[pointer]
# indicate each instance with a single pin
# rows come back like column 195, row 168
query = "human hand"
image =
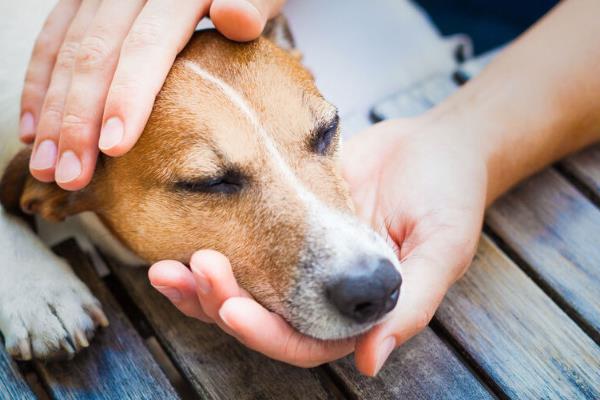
column 424, row 186
column 96, row 68
column 210, row 293
column 431, row 210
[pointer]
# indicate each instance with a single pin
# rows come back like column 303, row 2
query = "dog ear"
column 278, row 31
column 20, row 192
column 13, row 181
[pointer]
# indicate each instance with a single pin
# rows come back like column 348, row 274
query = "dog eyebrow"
column 227, row 90
column 237, row 99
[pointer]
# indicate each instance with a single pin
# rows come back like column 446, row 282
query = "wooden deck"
column 524, row 322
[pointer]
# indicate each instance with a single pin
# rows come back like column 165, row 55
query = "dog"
column 241, row 155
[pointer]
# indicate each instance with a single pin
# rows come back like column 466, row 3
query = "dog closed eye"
column 229, row 182
column 324, row 136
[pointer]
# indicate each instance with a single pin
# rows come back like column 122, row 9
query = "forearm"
column 537, row 102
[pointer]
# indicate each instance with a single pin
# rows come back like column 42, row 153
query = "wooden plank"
column 117, row 365
column 12, row 383
column 217, row 366
column 555, row 230
column 516, row 334
column 585, row 166
column 423, row 368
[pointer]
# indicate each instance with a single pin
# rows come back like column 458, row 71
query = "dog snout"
column 366, row 290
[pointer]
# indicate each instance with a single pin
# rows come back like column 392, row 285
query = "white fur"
column 106, row 241
column 42, row 303
column 334, row 240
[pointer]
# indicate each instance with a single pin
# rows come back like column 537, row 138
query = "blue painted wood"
column 516, row 334
column 423, row 368
column 217, row 366
column 555, row 230
column 117, row 365
column 12, row 383
column 585, row 166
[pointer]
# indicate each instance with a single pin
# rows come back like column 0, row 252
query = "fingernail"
column 385, row 348
column 27, row 126
column 170, row 293
column 202, row 281
column 111, row 134
column 68, row 168
column 224, row 318
column 44, row 156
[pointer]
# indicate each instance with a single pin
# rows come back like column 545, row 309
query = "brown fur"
column 193, row 132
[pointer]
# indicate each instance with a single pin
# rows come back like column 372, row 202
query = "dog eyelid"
column 230, row 182
column 325, row 135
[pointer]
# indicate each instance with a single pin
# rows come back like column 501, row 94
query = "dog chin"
column 337, row 332
column 328, row 325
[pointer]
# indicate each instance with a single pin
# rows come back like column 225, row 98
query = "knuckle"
column 67, row 54
column 73, row 120
column 123, row 87
column 44, row 46
column 74, row 127
column 32, row 90
column 93, row 53
column 52, row 111
column 146, row 33
column 423, row 319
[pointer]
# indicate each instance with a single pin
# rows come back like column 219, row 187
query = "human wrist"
column 469, row 137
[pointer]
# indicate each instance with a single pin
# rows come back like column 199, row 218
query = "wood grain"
column 585, row 166
column 556, row 231
column 217, row 366
column 12, row 383
column 516, row 334
column 423, row 368
column 117, row 365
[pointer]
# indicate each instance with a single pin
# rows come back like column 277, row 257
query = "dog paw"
column 49, row 320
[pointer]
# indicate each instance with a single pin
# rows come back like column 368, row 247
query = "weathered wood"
column 216, row 364
column 117, row 365
column 12, row 383
column 556, row 231
column 423, row 368
column 585, row 166
column 516, row 334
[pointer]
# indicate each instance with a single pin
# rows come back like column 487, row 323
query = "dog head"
column 240, row 155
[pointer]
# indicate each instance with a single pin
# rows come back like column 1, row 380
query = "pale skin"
column 425, row 182
column 96, row 68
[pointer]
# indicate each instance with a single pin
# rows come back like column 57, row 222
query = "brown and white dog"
column 240, row 155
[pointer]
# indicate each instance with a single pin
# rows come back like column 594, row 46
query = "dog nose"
column 366, row 291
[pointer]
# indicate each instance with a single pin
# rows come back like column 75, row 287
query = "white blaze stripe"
column 344, row 236
column 237, row 99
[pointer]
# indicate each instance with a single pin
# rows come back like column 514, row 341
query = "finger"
column 268, row 333
column 39, row 70
column 214, row 279
column 158, row 34
column 243, row 20
column 424, row 285
column 175, row 281
column 45, row 150
column 93, row 69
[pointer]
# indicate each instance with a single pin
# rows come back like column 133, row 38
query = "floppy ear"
column 277, row 30
column 20, row 192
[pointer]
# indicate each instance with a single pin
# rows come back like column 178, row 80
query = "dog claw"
column 22, row 351
column 98, row 316
column 68, row 348
column 25, row 349
column 80, row 338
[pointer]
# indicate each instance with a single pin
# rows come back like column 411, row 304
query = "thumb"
column 243, row 20
column 422, row 291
